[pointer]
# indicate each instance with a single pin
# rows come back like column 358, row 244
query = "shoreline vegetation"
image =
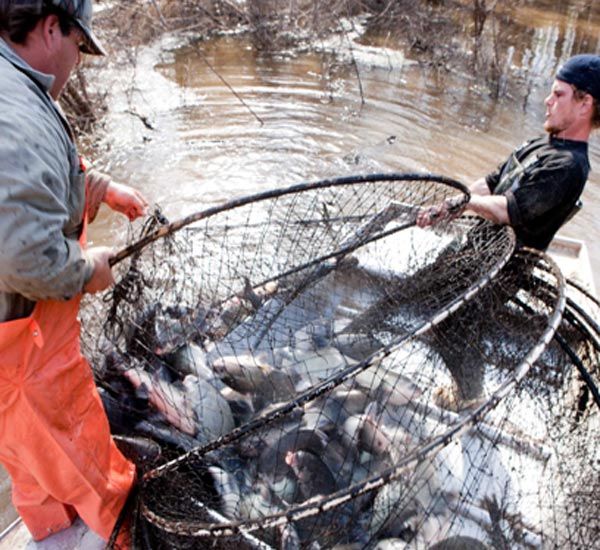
column 447, row 35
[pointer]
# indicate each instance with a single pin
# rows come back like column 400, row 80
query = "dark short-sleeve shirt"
column 542, row 181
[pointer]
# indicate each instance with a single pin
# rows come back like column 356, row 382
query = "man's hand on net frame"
column 445, row 211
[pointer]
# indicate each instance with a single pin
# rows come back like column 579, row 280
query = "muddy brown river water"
column 204, row 146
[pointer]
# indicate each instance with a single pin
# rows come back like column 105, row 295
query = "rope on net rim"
column 583, row 290
column 578, row 311
column 588, row 327
column 173, row 227
column 583, row 322
column 320, row 504
column 585, row 375
column 575, row 319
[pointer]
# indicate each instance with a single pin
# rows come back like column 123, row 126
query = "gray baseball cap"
column 81, row 12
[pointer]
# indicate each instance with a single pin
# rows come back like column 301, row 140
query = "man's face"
column 562, row 110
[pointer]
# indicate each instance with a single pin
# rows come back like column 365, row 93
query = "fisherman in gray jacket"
column 54, row 436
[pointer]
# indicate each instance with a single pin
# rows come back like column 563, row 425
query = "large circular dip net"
column 322, row 373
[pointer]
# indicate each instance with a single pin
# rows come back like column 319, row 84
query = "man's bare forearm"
column 492, row 207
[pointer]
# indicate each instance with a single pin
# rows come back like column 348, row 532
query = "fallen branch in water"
column 145, row 120
column 229, row 87
column 355, row 65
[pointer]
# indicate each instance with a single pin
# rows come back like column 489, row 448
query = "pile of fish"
column 188, row 376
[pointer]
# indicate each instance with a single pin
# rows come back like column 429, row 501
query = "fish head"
column 291, row 459
column 373, row 438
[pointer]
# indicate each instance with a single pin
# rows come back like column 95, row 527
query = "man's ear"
column 586, row 104
column 51, row 33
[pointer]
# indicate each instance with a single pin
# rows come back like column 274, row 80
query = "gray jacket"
column 42, row 193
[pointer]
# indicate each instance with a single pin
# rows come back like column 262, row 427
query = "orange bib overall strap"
column 55, row 439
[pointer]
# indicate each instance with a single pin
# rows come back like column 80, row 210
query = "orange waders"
column 54, row 436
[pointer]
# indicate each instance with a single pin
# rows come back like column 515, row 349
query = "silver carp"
column 314, row 366
column 193, row 407
column 211, row 411
column 191, row 359
column 250, row 375
column 228, row 490
column 312, row 474
column 165, row 398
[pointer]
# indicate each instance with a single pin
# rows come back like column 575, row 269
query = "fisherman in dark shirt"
column 538, row 188
column 535, row 191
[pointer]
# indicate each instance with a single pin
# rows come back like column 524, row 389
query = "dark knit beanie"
column 583, row 71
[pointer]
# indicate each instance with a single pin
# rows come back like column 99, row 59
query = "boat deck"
column 76, row 537
column 572, row 257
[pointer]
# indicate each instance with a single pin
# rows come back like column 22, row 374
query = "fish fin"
column 142, row 391
column 372, row 411
column 250, row 295
column 323, row 437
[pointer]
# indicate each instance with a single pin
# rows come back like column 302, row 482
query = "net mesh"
column 321, row 372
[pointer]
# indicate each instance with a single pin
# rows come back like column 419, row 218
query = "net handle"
column 171, row 228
